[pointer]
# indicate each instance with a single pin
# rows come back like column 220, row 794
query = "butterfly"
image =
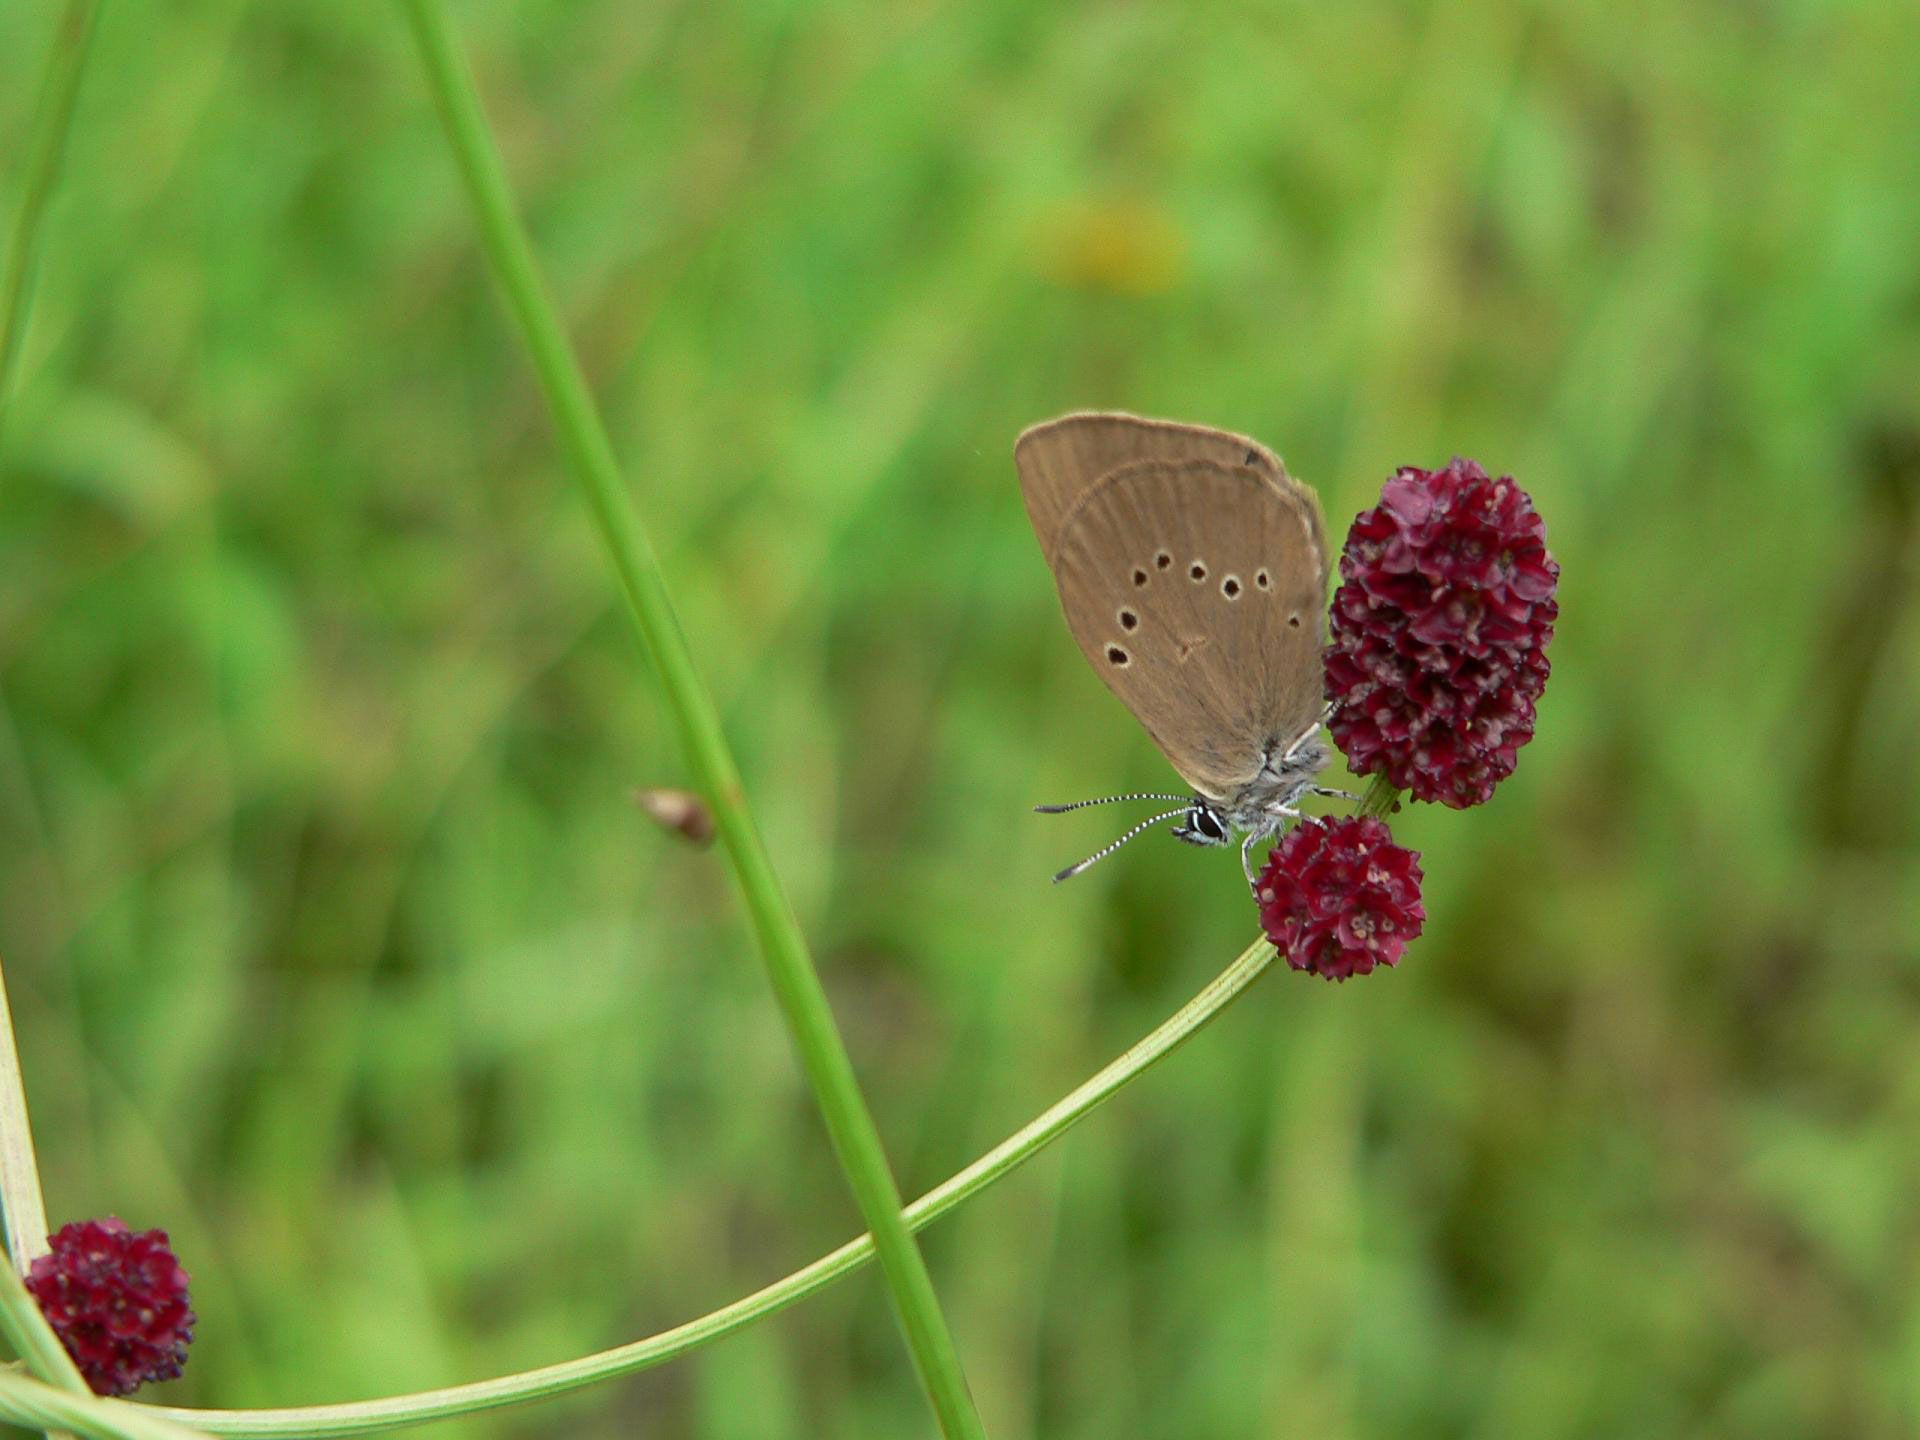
column 1193, row 572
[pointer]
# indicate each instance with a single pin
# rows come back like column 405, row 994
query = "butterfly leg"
column 1274, row 823
column 1305, row 735
column 1336, row 794
column 1246, row 860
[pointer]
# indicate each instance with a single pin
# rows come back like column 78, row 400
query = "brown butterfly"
column 1193, row 572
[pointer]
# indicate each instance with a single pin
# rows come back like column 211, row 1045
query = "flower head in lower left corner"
column 117, row 1298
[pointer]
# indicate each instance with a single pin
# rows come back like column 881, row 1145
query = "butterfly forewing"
column 1194, row 583
column 1059, row 459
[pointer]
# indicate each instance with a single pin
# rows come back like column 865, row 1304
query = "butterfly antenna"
column 1104, row 800
column 1075, row 869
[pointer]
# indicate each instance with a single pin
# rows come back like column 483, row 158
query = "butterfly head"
column 1203, row 824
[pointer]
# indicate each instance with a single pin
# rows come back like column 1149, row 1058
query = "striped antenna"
column 1075, row 869
column 1105, row 800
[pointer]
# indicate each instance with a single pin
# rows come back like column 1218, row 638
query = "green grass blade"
column 46, row 144
column 802, row 1000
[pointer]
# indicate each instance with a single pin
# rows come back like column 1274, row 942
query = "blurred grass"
column 336, row 947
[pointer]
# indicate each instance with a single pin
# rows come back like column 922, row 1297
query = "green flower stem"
column 25, row 1212
column 362, row 1417
column 35, row 1406
column 46, row 143
column 1380, row 801
column 22, row 1206
column 797, row 985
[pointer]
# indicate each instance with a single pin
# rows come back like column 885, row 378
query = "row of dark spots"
column 1198, row 572
column 1230, row 587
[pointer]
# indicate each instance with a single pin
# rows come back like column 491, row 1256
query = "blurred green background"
column 337, row 948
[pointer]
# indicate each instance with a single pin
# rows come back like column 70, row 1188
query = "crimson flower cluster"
column 1440, row 631
column 1338, row 897
column 118, row 1301
column 1438, row 654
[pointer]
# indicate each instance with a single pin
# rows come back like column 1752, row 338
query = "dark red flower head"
column 1338, row 897
column 118, row 1302
column 1440, row 631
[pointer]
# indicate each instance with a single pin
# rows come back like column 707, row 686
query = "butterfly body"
column 1193, row 571
column 1264, row 804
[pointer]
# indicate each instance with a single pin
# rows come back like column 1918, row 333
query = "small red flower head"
column 118, row 1302
column 1338, row 897
column 1440, row 631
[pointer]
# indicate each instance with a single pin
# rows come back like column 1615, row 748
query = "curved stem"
column 796, row 984
column 37, row 1406
column 364, row 1416
column 46, row 142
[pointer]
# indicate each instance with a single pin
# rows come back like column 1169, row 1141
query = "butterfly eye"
column 1204, row 822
